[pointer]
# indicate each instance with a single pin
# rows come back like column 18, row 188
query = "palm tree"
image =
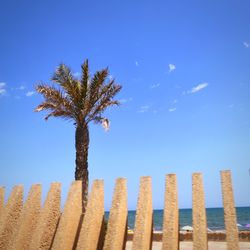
column 83, row 101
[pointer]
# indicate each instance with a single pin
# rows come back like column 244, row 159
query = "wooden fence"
column 29, row 225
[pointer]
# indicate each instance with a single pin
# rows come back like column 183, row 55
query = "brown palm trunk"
column 81, row 171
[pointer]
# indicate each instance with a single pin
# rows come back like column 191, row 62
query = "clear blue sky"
column 185, row 71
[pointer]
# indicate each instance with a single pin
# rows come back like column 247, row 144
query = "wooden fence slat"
column 2, row 190
column 69, row 221
column 229, row 211
column 93, row 218
column 48, row 219
column 144, row 213
column 28, row 219
column 10, row 216
column 199, row 214
column 170, row 238
column 117, row 224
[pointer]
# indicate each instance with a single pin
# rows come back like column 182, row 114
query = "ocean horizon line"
column 159, row 209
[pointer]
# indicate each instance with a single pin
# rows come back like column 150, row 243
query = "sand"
column 212, row 245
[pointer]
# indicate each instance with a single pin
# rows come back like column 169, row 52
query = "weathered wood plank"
column 48, row 219
column 144, row 213
column 28, row 219
column 69, row 221
column 2, row 191
column 229, row 211
column 93, row 218
column 10, row 216
column 170, row 240
column 117, row 224
column 199, row 214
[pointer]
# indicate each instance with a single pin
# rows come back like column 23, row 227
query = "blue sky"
column 185, row 71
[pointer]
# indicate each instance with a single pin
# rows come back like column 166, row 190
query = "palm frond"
column 84, row 79
column 96, row 84
column 63, row 75
column 53, row 95
column 103, row 121
column 106, row 100
column 97, row 119
column 104, row 90
column 106, row 124
column 60, row 113
column 45, row 106
column 55, row 101
column 71, row 86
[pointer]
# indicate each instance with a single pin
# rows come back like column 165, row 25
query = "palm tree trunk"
column 81, row 171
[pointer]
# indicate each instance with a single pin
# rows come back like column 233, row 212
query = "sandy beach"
column 189, row 245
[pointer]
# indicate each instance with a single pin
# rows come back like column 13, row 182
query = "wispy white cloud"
column 2, row 84
column 172, row 109
column 171, row 67
column 125, row 100
column 198, row 88
column 2, row 88
column 76, row 74
column 22, row 87
column 136, row 63
column 2, row 91
column 155, row 86
column 246, row 44
column 175, row 101
column 30, row 93
column 144, row 109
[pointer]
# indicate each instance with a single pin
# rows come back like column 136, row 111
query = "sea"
column 215, row 218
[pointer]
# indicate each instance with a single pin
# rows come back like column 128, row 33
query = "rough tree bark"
column 81, row 171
